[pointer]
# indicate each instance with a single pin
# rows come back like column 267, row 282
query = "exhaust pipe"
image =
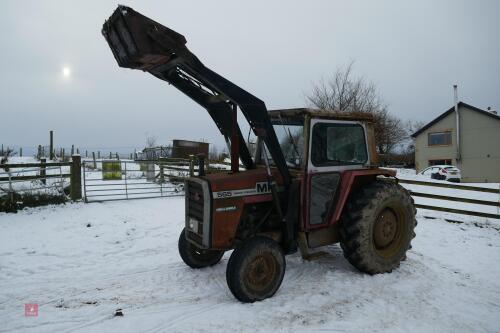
column 457, row 117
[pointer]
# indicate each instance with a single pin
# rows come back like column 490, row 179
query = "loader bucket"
column 128, row 34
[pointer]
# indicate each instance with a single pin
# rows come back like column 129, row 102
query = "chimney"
column 491, row 111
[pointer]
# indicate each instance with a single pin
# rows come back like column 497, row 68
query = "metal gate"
column 106, row 180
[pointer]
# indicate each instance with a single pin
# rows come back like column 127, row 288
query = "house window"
column 439, row 162
column 439, row 139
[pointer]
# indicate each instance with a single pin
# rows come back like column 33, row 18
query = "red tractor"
column 312, row 181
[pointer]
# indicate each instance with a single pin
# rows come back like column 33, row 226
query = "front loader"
column 313, row 180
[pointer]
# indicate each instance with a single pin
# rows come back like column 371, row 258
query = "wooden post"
column 110, row 155
column 78, row 151
column 39, row 154
column 86, row 153
column 191, row 165
column 162, row 169
column 42, row 169
column 2, row 150
column 62, row 154
column 76, row 178
column 99, row 154
column 52, row 152
column 21, row 152
column 93, row 157
column 130, row 155
column 117, row 157
column 72, row 150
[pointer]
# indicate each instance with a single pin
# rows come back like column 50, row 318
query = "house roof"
column 452, row 109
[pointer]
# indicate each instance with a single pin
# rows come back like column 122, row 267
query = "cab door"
column 334, row 146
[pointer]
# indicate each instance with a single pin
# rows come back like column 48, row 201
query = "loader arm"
column 138, row 42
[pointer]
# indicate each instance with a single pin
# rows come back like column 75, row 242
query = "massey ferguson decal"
column 260, row 188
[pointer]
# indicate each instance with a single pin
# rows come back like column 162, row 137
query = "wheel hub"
column 385, row 229
column 261, row 272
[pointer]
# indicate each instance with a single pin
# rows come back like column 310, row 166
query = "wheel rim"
column 261, row 272
column 388, row 232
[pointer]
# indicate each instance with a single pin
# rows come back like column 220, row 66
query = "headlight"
column 193, row 224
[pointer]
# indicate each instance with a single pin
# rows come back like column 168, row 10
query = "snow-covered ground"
column 81, row 262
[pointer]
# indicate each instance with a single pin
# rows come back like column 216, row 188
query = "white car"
column 443, row 172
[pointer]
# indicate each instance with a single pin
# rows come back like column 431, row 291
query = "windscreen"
column 290, row 133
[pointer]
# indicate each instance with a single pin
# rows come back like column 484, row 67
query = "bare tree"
column 411, row 127
column 344, row 92
column 213, row 153
column 151, row 141
column 389, row 131
column 4, row 157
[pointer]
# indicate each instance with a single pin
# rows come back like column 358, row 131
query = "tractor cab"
column 321, row 141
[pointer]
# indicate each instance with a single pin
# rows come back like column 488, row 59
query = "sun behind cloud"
column 66, row 71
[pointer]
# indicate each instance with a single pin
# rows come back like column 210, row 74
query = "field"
column 81, row 262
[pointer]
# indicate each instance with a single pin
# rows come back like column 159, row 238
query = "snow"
column 80, row 262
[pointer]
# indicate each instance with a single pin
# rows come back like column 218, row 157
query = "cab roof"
column 298, row 114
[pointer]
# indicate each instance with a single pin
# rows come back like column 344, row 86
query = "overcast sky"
column 413, row 50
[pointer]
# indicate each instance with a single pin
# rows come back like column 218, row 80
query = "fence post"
column 110, row 155
column 52, row 149
column 39, row 153
column 42, row 170
column 76, row 178
column 117, row 157
column 191, row 165
column 201, row 164
column 98, row 154
column 21, row 152
column 93, row 157
column 72, row 150
column 162, row 161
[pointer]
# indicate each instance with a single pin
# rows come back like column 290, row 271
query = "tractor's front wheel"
column 255, row 269
column 195, row 257
column 378, row 225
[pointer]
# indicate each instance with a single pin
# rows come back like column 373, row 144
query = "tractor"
column 311, row 180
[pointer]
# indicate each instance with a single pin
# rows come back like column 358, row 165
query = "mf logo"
column 263, row 187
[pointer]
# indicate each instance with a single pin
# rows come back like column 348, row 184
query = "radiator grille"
column 195, row 208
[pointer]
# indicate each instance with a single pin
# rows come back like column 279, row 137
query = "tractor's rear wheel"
column 255, row 269
column 378, row 225
column 195, row 257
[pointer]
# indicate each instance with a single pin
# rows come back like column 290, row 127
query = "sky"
column 414, row 51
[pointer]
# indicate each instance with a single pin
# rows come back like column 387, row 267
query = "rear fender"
column 350, row 181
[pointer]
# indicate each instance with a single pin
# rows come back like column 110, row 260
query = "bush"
column 11, row 203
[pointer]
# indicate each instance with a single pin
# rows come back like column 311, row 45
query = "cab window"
column 338, row 144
